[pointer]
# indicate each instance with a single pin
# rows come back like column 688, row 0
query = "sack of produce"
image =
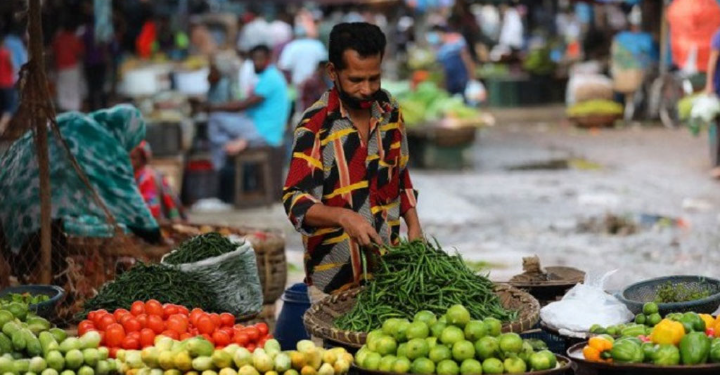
column 584, row 306
column 228, row 268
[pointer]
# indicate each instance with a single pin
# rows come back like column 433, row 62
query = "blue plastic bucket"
column 290, row 328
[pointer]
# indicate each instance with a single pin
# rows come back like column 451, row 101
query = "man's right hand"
column 359, row 229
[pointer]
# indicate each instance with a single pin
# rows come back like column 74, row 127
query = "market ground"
column 540, row 186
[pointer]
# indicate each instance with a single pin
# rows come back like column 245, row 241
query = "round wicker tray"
column 319, row 319
column 584, row 367
column 596, row 121
column 560, row 280
column 563, row 362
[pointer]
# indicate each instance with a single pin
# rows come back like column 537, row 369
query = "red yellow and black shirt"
column 332, row 165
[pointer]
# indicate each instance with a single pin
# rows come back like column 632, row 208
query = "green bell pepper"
column 674, row 316
column 715, row 351
column 694, row 348
column 627, row 351
column 692, row 322
column 634, row 331
column 649, row 350
column 666, row 355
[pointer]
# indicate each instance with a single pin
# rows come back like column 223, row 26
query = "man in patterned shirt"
column 348, row 183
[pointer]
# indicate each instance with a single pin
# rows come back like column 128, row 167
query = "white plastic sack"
column 587, row 86
column 233, row 277
column 585, row 305
column 475, row 93
column 705, row 108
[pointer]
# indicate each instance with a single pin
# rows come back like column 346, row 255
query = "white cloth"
column 280, row 32
column 255, row 33
column 247, row 78
column 69, row 89
column 301, row 58
column 511, row 34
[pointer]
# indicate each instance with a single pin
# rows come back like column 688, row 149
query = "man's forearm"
column 322, row 216
column 235, row 106
column 411, row 218
column 711, row 70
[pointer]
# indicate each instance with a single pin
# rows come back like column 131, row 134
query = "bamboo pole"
column 40, row 127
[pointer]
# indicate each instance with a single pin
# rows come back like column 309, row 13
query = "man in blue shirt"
column 255, row 121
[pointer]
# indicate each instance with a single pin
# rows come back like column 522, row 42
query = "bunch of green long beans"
column 152, row 281
column 201, row 247
column 415, row 276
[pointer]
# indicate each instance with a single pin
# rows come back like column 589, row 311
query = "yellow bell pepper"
column 600, row 343
column 595, row 347
column 667, row 332
column 708, row 319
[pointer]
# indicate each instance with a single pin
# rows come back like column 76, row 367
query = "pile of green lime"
column 30, row 345
column 451, row 345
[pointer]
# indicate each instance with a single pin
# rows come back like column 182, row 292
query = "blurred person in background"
column 258, row 120
column 454, row 56
column 67, row 51
column 96, row 62
column 300, row 58
column 159, row 197
column 8, row 92
column 712, row 87
column 467, row 25
column 15, row 42
column 633, row 52
column 315, row 86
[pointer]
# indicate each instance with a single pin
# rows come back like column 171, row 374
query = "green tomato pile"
column 451, row 345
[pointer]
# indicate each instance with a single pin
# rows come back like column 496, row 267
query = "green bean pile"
column 201, row 247
column 416, row 276
column 151, row 281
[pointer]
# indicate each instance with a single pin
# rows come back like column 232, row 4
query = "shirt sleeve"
column 408, row 195
column 715, row 45
column 303, row 187
column 267, row 84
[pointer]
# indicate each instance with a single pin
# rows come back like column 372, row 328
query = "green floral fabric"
column 101, row 142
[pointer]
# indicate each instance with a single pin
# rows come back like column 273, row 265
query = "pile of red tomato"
column 137, row 328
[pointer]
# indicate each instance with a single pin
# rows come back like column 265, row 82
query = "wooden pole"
column 40, row 126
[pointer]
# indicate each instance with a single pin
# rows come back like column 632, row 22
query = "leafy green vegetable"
column 430, row 103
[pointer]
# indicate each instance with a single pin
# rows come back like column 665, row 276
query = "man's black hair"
column 364, row 38
column 260, row 48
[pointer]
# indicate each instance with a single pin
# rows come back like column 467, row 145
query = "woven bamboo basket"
column 595, row 121
column 560, row 279
column 319, row 319
column 444, row 136
column 269, row 248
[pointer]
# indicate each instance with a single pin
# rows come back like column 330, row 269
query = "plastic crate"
column 556, row 344
column 165, row 138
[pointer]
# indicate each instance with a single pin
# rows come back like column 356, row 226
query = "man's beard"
column 355, row 103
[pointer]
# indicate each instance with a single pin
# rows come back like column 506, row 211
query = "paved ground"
column 505, row 208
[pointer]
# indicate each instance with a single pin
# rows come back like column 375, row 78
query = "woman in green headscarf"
column 101, row 142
